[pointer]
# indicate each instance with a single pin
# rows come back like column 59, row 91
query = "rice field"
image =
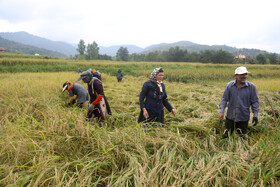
column 43, row 142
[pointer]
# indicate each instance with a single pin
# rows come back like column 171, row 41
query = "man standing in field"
column 240, row 95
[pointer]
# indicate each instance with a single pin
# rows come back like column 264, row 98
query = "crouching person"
column 98, row 105
column 78, row 94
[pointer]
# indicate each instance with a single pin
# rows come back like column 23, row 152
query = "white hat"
column 241, row 70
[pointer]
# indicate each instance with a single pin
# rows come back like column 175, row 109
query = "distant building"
column 36, row 54
column 2, row 49
column 241, row 58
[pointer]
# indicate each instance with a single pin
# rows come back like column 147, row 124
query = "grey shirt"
column 80, row 91
column 239, row 101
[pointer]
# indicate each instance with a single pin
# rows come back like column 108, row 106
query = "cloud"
column 146, row 22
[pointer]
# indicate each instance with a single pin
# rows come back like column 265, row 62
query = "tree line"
column 174, row 54
column 90, row 52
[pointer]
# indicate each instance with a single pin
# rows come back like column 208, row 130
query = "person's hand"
column 255, row 121
column 145, row 113
column 221, row 116
column 90, row 107
column 173, row 112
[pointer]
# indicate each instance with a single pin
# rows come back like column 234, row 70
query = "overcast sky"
column 237, row 23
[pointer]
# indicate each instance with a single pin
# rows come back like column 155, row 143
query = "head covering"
column 96, row 74
column 153, row 79
column 93, row 71
column 241, row 70
column 86, row 76
column 153, row 76
column 64, row 86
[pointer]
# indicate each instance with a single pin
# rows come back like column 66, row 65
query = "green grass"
column 21, row 55
column 174, row 72
column 45, row 143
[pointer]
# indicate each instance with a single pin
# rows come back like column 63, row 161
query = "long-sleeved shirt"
column 119, row 75
column 239, row 101
column 148, row 100
column 94, row 90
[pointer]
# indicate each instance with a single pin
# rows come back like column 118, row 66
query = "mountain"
column 193, row 47
column 27, row 49
column 70, row 49
column 29, row 39
column 112, row 50
column 166, row 46
column 61, row 47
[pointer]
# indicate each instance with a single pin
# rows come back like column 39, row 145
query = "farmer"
column 98, row 105
column 152, row 99
column 78, row 94
column 95, row 73
column 79, row 70
column 119, row 75
column 240, row 95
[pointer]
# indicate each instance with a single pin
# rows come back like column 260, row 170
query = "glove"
column 72, row 100
column 90, row 107
column 255, row 121
column 97, row 100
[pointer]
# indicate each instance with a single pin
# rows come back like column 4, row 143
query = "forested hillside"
column 12, row 46
column 36, row 41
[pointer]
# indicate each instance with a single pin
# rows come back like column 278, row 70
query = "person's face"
column 241, row 78
column 159, row 76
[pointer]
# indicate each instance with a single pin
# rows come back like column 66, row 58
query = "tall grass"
column 45, row 143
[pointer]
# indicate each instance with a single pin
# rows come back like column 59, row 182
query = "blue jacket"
column 119, row 75
column 148, row 100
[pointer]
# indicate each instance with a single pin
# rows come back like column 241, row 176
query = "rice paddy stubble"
column 43, row 142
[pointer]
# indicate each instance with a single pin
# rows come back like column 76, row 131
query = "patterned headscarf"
column 153, row 76
column 153, row 79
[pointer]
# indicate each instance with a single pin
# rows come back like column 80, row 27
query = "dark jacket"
column 148, row 100
column 119, row 75
column 98, row 90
